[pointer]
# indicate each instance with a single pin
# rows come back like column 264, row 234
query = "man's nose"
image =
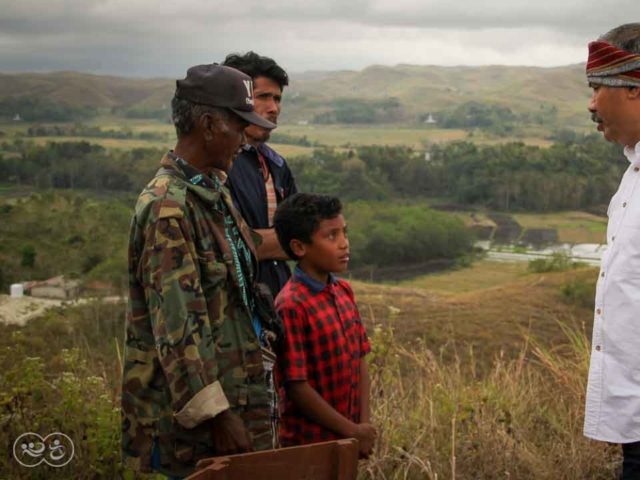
column 592, row 103
column 272, row 106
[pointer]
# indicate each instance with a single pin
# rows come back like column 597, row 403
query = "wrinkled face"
column 267, row 97
column 612, row 109
column 225, row 141
column 329, row 248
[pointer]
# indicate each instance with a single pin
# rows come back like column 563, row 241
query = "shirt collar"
column 633, row 154
column 204, row 186
column 316, row 286
column 266, row 151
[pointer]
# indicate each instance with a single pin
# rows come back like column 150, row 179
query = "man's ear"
column 634, row 93
column 206, row 124
column 298, row 248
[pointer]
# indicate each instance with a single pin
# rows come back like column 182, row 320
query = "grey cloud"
column 144, row 37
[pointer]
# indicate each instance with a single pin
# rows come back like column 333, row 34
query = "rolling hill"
column 416, row 91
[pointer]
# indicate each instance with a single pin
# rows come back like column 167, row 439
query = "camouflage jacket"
column 191, row 350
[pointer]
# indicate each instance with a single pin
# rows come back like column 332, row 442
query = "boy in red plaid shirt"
column 322, row 371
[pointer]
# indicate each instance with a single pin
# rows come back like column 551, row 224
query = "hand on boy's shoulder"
column 366, row 435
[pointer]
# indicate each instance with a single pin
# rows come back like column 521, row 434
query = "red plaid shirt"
column 324, row 345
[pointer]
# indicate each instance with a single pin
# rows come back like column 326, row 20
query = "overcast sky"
column 152, row 38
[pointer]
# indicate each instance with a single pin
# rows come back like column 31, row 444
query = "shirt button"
column 275, row 262
column 613, row 238
column 636, row 169
column 598, row 311
column 602, row 274
column 598, row 348
column 624, row 205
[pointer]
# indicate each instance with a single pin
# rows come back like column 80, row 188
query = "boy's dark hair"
column 256, row 66
column 299, row 216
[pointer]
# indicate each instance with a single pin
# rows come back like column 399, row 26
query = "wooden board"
column 336, row 460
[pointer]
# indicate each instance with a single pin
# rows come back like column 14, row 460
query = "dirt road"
column 18, row 311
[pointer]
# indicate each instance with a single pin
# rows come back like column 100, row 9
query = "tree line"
column 77, row 165
column 578, row 174
column 378, row 185
column 93, row 131
column 34, row 109
column 513, row 177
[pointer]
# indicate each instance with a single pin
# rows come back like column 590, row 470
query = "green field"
column 329, row 135
column 573, row 227
column 393, row 135
column 137, row 127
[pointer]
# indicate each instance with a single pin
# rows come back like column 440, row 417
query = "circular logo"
column 31, row 450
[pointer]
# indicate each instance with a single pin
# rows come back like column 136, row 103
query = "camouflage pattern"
column 187, row 326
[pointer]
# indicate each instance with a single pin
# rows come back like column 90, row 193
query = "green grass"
column 393, row 135
column 573, row 227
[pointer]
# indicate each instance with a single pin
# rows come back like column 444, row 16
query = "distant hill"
column 404, row 93
column 430, row 89
column 82, row 89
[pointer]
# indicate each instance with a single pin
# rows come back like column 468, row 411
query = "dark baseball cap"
column 219, row 86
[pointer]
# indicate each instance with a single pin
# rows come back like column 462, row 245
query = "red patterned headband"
column 608, row 65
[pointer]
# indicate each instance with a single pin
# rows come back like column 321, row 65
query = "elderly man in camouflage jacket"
column 194, row 383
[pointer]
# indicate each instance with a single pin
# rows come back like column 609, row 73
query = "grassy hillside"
column 491, row 307
column 419, row 90
column 422, row 89
column 83, row 89
column 69, row 233
column 446, row 402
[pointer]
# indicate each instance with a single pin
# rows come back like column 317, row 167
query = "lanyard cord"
column 230, row 226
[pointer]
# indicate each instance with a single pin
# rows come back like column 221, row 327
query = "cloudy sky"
column 150, row 38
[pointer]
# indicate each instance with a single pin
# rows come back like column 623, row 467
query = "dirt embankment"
column 18, row 311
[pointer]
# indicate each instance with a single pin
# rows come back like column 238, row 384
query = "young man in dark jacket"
column 260, row 178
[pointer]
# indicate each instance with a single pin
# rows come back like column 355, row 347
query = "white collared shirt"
column 613, row 393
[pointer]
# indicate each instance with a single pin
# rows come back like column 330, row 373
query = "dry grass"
column 480, row 382
column 489, row 307
column 522, row 419
column 481, row 275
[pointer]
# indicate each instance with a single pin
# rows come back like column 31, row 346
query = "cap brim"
column 255, row 119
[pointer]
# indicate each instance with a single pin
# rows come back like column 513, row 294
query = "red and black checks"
column 324, row 346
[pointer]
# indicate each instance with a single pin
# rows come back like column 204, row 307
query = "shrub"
column 557, row 262
column 74, row 401
column 386, row 235
column 580, row 291
column 28, row 256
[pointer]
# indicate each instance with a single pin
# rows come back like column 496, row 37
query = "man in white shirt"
column 612, row 411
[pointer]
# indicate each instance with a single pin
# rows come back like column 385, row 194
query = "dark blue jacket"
column 249, row 194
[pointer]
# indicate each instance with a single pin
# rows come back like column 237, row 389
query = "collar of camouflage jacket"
column 195, row 181
column 210, row 192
